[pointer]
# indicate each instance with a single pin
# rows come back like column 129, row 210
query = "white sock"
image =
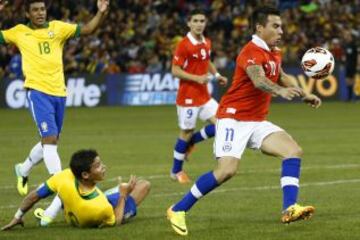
column 35, row 156
column 54, row 208
column 51, row 158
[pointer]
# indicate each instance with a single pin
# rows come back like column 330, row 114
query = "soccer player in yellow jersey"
column 41, row 46
column 85, row 205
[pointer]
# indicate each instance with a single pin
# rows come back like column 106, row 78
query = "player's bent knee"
column 144, row 185
column 49, row 140
column 294, row 152
column 186, row 134
column 225, row 174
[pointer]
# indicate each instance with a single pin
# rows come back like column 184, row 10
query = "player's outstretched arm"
column 257, row 75
column 177, row 71
column 2, row 4
column 27, row 204
column 90, row 27
column 221, row 79
column 309, row 98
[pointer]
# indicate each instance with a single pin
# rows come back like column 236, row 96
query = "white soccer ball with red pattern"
column 318, row 63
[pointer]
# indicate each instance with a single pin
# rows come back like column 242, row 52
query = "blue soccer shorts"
column 47, row 112
column 113, row 197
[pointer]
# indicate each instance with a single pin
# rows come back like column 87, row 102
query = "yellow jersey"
column 42, row 54
column 91, row 209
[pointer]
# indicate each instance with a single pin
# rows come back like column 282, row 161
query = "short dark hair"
column 81, row 161
column 29, row 2
column 260, row 16
column 196, row 11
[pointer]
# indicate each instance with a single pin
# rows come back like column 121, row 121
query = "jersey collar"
column 193, row 40
column 260, row 43
column 45, row 25
column 93, row 194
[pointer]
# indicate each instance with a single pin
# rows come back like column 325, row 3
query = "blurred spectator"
column 351, row 57
column 139, row 35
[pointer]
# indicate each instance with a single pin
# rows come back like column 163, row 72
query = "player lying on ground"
column 84, row 204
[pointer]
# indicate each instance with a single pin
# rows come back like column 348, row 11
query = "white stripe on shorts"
column 289, row 181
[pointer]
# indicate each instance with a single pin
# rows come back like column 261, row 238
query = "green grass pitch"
column 139, row 140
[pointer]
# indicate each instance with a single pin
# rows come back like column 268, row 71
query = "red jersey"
column 243, row 101
column 193, row 57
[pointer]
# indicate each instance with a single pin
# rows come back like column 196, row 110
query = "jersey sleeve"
column 109, row 219
column 54, row 182
column 68, row 30
column 9, row 36
column 250, row 56
column 43, row 191
column 180, row 55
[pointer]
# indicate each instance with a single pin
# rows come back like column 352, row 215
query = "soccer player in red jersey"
column 242, row 121
column 192, row 64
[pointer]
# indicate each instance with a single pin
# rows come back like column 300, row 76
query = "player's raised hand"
column 3, row 4
column 312, row 100
column 13, row 223
column 103, row 5
column 126, row 188
column 290, row 92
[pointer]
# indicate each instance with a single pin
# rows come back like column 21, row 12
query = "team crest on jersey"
column 51, row 34
column 44, row 127
column 227, row 147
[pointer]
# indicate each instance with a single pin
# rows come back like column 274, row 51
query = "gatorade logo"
column 78, row 94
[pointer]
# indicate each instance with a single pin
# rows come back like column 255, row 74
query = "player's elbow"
column 86, row 30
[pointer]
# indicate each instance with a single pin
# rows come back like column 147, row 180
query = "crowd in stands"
column 140, row 35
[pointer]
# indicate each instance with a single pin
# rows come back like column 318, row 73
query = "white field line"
column 276, row 170
column 225, row 190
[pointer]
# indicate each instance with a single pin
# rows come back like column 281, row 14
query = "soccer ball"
column 317, row 63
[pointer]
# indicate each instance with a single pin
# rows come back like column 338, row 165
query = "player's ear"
column 259, row 27
column 85, row 175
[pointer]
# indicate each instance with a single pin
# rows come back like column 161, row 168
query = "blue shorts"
column 47, row 112
column 113, row 196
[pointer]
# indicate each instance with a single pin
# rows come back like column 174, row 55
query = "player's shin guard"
column 290, row 181
column 35, row 156
column 202, row 186
column 51, row 158
column 204, row 133
column 179, row 155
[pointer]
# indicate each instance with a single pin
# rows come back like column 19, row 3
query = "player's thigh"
column 207, row 112
column 140, row 191
column 42, row 110
column 231, row 138
column 281, row 144
column 113, row 196
column 187, row 117
column 60, row 112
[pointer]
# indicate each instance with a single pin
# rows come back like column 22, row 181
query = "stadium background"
column 127, row 63
column 139, row 36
